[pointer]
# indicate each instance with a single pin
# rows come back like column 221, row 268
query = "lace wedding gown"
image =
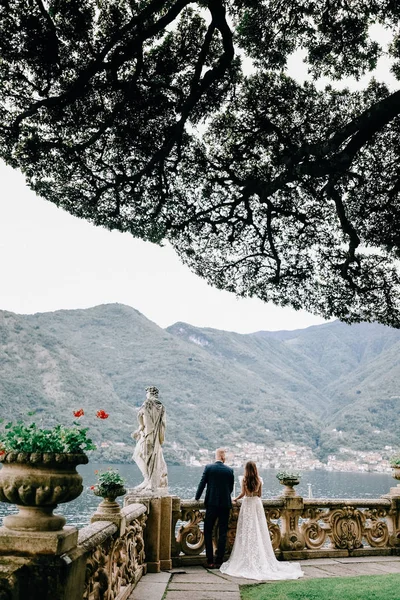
column 252, row 554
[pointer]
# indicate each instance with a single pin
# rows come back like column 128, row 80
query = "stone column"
column 152, row 536
column 292, row 538
column 166, row 533
column 152, row 532
column 157, row 535
column 393, row 516
column 176, row 515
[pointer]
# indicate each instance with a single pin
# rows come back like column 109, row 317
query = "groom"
column 219, row 481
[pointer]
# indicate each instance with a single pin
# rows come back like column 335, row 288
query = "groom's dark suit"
column 219, row 481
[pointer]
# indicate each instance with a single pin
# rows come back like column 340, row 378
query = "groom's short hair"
column 220, row 454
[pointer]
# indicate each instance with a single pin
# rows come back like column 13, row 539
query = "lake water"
column 183, row 482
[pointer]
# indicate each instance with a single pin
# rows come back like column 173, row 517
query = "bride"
column 252, row 554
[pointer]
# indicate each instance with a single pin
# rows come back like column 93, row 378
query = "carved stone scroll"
column 176, row 516
column 97, row 572
column 116, row 564
column 274, row 530
column 132, row 550
column 313, row 530
column 376, row 529
column 347, row 527
column 190, row 537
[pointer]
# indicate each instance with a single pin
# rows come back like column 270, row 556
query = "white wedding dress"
column 252, row 554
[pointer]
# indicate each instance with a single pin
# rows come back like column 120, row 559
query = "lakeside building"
column 296, row 457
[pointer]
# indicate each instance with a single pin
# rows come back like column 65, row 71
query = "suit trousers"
column 212, row 514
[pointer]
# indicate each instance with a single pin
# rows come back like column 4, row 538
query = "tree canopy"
column 178, row 120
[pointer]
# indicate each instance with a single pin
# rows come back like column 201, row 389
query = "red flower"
column 79, row 413
column 101, row 414
column 92, row 487
column 96, row 472
column 2, row 452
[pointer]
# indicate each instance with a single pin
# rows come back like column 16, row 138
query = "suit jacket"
column 219, row 480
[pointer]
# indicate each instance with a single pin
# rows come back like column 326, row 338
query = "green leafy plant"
column 281, row 475
column 395, row 460
column 108, row 482
column 19, row 437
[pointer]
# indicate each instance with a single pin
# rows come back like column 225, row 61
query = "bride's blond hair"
column 251, row 478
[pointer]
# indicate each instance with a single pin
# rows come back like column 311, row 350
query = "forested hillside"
column 326, row 386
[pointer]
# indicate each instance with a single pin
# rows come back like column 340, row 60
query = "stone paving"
column 197, row 583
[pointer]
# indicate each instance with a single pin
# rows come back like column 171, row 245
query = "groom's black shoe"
column 211, row 566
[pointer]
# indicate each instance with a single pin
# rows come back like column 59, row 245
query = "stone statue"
column 149, row 437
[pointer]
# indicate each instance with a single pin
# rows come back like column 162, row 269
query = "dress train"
column 252, row 554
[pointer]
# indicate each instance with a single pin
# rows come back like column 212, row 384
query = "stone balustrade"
column 105, row 564
column 153, row 534
column 113, row 555
column 300, row 528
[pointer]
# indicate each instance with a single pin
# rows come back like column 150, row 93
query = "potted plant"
column 39, row 471
column 395, row 464
column 110, row 484
column 289, row 479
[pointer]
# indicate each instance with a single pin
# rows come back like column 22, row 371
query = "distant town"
column 291, row 457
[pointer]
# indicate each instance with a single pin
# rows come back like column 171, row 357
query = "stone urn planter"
column 109, row 505
column 289, row 483
column 37, row 482
column 109, row 486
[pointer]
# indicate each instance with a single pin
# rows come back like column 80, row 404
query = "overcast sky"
column 51, row 260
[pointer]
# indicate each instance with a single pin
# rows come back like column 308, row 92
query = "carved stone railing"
column 349, row 525
column 300, row 528
column 105, row 564
column 113, row 554
column 107, row 559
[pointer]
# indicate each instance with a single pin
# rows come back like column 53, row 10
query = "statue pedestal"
column 157, row 539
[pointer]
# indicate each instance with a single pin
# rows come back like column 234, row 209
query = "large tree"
column 177, row 120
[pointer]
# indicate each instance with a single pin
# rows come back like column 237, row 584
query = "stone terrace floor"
column 197, row 583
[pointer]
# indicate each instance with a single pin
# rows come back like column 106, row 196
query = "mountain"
column 326, row 386
column 346, row 376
